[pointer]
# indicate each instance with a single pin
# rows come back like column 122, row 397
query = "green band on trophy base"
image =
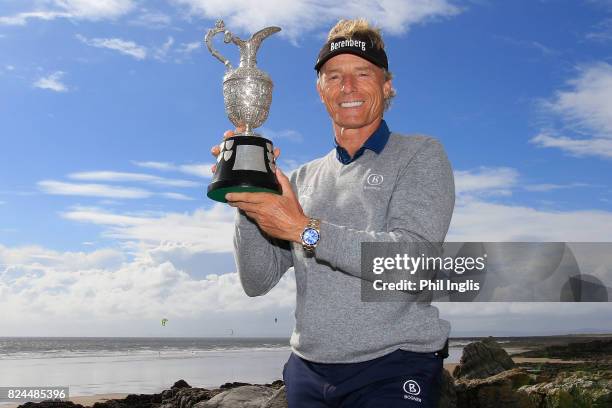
column 219, row 194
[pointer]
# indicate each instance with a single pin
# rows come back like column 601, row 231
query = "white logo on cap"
column 348, row 43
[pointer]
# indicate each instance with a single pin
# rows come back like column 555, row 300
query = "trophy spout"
column 249, row 48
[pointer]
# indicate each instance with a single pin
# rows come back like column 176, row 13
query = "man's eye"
column 364, row 74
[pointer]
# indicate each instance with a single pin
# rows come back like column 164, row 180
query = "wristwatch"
column 311, row 235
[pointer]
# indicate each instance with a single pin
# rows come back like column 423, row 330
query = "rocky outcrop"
column 448, row 395
column 576, row 390
column 495, row 391
column 278, row 400
column 595, row 349
column 482, row 359
column 246, row 396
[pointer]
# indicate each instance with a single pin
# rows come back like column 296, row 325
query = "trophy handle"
column 219, row 28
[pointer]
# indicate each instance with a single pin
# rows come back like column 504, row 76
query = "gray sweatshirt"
column 405, row 193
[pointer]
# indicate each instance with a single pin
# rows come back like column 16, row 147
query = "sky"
column 108, row 111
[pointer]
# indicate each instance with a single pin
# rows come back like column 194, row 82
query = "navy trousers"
column 400, row 379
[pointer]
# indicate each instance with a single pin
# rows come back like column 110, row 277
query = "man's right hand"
column 215, row 150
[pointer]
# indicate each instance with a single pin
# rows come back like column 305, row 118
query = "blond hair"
column 361, row 26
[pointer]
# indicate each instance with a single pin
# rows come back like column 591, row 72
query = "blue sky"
column 108, row 110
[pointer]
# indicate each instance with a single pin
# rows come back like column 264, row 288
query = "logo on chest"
column 374, row 181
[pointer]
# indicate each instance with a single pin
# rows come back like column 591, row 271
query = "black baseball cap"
column 358, row 44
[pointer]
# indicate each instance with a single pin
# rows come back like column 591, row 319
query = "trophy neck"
column 248, row 54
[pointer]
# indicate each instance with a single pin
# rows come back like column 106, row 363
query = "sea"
column 102, row 365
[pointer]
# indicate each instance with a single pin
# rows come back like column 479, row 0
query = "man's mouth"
column 351, row 104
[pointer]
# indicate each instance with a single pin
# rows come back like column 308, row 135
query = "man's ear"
column 319, row 91
column 388, row 85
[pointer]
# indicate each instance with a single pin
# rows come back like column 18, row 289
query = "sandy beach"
column 85, row 400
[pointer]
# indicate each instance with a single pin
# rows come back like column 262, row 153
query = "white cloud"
column 602, row 31
column 196, row 169
column 585, row 108
column 138, row 177
column 152, row 19
column 551, row 187
column 597, row 146
column 161, row 52
column 486, row 181
column 75, row 9
column 22, row 18
column 300, row 16
column 188, row 48
column 116, row 44
column 38, row 284
column 38, row 257
column 177, row 196
column 104, row 190
column 478, row 219
column 481, row 221
column 91, row 190
column 52, row 82
column 204, row 230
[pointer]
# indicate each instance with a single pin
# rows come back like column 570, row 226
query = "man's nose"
column 348, row 84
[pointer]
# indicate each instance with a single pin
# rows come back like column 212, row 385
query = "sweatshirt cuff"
column 243, row 221
column 327, row 248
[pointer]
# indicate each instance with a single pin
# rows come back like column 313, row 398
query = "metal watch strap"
column 314, row 224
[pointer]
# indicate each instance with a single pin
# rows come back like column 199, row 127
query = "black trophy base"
column 236, row 174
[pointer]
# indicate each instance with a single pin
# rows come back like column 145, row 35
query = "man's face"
column 353, row 90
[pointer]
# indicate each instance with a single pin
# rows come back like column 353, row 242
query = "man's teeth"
column 351, row 104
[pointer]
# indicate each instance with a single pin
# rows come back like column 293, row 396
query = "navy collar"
column 376, row 143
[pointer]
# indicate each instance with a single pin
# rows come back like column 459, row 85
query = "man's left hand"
column 280, row 216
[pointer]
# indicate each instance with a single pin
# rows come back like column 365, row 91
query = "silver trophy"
column 246, row 162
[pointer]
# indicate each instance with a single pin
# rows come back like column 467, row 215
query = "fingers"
column 284, row 182
column 253, row 198
column 216, row 150
column 251, row 209
column 276, row 152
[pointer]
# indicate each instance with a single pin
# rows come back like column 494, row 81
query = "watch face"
column 310, row 236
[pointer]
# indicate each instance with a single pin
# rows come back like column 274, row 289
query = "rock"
column 589, row 350
column 448, row 395
column 246, row 396
column 482, row 359
column 228, row 385
column 276, row 384
column 51, row 404
column 278, row 400
column 180, row 384
column 496, row 391
column 189, row 397
column 132, row 401
column 576, row 390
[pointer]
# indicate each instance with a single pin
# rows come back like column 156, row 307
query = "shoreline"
column 89, row 400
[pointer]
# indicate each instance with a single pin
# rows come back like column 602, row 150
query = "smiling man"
column 374, row 186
